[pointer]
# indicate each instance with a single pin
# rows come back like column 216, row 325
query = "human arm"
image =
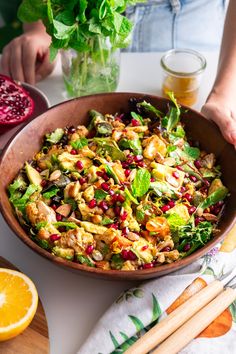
column 26, row 58
column 220, row 106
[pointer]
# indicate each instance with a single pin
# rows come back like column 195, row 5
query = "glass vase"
column 92, row 71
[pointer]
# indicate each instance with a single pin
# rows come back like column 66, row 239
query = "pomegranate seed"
column 103, row 205
column 188, row 197
column 117, row 210
column 148, row 265
column 120, row 198
column 62, row 228
column 183, row 189
column 54, row 206
column 217, row 211
column 197, row 164
column 192, row 209
column 99, row 173
column 152, row 179
column 38, row 169
column 92, row 203
column 138, row 158
column 123, row 216
column 125, row 254
column 198, row 220
column 111, row 192
column 179, row 168
column 144, row 248
column 166, row 249
column 141, row 164
column 127, row 173
column 219, row 204
column 71, row 129
column 165, row 208
column 207, row 183
column 82, row 180
column 125, row 164
column 114, row 197
column 59, row 217
column 105, row 177
column 89, row 249
column 132, row 256
column 44, row 183
column 73, row 152
column 114, row 226
column 187, row 247
column 125, row 231
column 135, row 122
column 54, row 237
column 171, row 203
column 175, row 174
column 79, row 165
column 193, row 178
column 105, row 187
column 122, row 188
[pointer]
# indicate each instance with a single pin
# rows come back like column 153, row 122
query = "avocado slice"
column 33, row 175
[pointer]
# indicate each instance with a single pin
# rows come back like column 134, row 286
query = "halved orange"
column 18, row 303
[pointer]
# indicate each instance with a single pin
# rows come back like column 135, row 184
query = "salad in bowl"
column 128, row 191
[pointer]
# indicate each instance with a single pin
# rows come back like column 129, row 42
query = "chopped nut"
column 132, row 236
column 55, row 175
column 210, row 217
column 97, row 256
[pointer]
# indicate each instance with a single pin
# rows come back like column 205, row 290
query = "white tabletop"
column 74, row 303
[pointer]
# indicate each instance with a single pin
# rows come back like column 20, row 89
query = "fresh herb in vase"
column 89, row 35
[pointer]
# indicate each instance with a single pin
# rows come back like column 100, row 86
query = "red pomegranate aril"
column 197, row 164
column 62, row 228
column 175, row 174
column 152, row 179
column 38, row 169
column 79, row 165
column 59, row 217
column 92, row 203
column 135, row 122
column 105, row 186
column 111, row 192
column 192, row 209
column 125, row 254
column 114, row 226
column 141, row 164
column 138, row 158
column 54, row 237
column 166, row 249
column 125, row 164
column 193, row 178
column 89, row 249
column 105, row 177
column 188, row 197
column 148, row 265
column 73, row 152
column 99, row 173
column 187, row 247
column 171, row 203
column 125, row 231
column 207, row 183
column 43, row 183
column 183, row 189
column 219, row 204
column 71, row 129
column 117, row 210
column 217, row 211
column 127, row 173
column 132, row 256
column 103, row 205
column 179, row 168
column 123, row 216
column 144, row 248
column 82, row 180
column 165, row 208
column 54, row 206
column 120, row 198
column 198, row 220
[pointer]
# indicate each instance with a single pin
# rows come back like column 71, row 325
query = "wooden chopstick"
column 190, row 329
column 168, row 325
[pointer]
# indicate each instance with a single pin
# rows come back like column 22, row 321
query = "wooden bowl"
column 27, row 142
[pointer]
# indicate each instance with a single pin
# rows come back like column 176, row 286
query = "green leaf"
column 114, row 340
column 214, row 198
column 232, row 309
column 139, row 215
column 109, row 147
column 21, row 203
column 55, row 136
column 13, row 188
column 82, row 11
column 40, row 224
column 156, row 310
column 42, row 243
column 79, row 144
column 137, row 117
column 193, row 153
column 68, row 224
column 63, row 31
column 111, row 173
column 100, row 194
column 137, row 322
column 149, row 108
column 51, row 192
column 134, row 145
column 106, row 221
column 130, row 197
column 117, row 261
column 84, row 260
column 162, row 188
column 141, row 182
column 175, row 222
column 49, row 11
column 52, row 53
column 32, row 10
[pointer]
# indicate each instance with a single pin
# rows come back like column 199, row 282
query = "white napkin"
column 135, row 309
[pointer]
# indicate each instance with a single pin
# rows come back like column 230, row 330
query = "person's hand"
column 222, row 110
column 26, row 58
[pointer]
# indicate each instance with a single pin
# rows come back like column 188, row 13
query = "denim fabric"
column 160, row 25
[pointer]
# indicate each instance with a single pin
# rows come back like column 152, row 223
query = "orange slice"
column 18, row 303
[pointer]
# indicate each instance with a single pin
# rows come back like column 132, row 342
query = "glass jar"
column 92, row 71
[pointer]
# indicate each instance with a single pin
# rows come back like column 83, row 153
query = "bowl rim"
column 107, row 274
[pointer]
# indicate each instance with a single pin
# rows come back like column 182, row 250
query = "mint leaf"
column 79, row 144
column 141, row 182
column 51, row 192
column 137, row 117
column 100, row 194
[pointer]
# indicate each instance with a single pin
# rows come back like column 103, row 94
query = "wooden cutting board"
column 34, row 340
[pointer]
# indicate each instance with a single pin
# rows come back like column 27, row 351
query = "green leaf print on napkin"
column 232, row 309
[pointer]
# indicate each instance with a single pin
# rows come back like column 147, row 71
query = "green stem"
column 103, row 61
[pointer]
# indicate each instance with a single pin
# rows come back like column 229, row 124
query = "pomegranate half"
column 15, row 104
